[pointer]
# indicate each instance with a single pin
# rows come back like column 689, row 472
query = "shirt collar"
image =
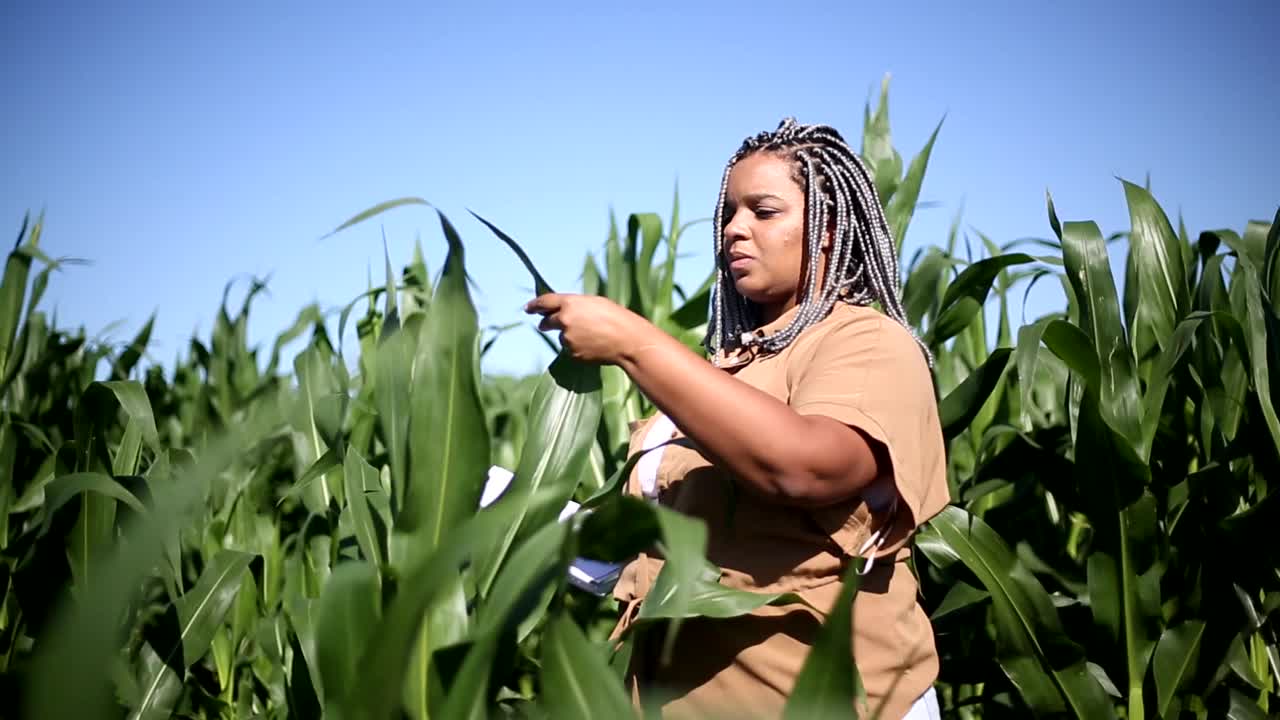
column 742, row 356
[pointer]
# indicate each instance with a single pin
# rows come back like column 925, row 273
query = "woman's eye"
column 765, row 212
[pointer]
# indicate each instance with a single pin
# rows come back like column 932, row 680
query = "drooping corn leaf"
column 962, row 404
column 966, row 295
column 540, row 285
column 829, row 684
column 376, row 210
column 1029, row 630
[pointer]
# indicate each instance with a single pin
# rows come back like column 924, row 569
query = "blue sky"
column 178, row 146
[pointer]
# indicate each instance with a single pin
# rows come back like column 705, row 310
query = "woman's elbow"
column 807, row 489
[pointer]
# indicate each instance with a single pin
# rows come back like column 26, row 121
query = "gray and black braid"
column 863, row 266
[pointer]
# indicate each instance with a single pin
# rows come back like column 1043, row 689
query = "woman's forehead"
column 763, row 174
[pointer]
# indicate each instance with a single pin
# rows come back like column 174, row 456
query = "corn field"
column 242, row 535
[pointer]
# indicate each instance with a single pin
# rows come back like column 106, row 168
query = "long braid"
column 863, row 265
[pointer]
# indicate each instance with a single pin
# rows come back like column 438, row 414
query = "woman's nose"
column 735, row 228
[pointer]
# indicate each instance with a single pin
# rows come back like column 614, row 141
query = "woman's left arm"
column 793, row 459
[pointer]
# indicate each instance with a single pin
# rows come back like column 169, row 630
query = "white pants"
column 926, row 708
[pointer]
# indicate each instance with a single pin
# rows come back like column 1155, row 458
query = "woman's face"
column 764, row 240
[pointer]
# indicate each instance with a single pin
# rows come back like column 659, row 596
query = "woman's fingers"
column 544, row 304
column 551, row 321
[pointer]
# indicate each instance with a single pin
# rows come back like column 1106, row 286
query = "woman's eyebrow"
column 757, row 197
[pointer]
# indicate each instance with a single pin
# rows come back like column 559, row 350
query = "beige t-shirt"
column 861, row 368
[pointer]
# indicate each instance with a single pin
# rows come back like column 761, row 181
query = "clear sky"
column 179, row 145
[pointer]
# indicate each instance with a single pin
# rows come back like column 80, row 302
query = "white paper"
column 591, row 575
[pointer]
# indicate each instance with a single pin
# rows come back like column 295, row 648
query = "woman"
column 811, row 437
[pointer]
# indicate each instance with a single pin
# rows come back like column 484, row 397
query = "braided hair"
column 863, row 267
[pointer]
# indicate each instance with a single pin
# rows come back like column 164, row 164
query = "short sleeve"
column 868, row 372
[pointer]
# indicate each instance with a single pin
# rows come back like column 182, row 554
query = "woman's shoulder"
column 855, row 328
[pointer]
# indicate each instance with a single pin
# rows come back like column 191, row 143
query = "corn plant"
column 310, row 544
column 246, row 536
column 1119, row 490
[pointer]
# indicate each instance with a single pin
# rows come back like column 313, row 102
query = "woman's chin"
column 748, row 289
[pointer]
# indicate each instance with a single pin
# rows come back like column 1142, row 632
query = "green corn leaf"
column 1113, row 481
column 645, row 231
column 1158, row 263
column 445, row 624
column 449, row 452
column 66, row 678
column 1162, row 376
column 162, row 684
column 829, row 684
column 202, row 610
column 393, row 319
column 300, row 686
column 1046, row 667
column 540, row 285
column 128, row 360
column 1176, row 657
column 13, row 288
column 309, row 316
column 393, row 373
column 362, row 478
column 666, row 299
column 61, row 490
column 695, row 311
column 1089, row 270
column 619, row 283
column 877, row 146
column 350, row 605
column 901, row 207
column 617, row 480
column 576, row 680
column 377, row 692
column 469, row 695
column 1247, row 303
column 1255, row 239
column 704, row 596
column 966, row 295
column 200, row 614
column 324, row 398
column 1240, row 706
column 591, row 282
column 962, row 404
column 1026, row 358
column 1271, row 266
column 128, row 455
column 323, row 464
column 563, row 417
column 376, row 210
column 534, row 564
column 919, row 294
column 616, row 390
column 1073, row 347
column 132, row 399
column 960, row 596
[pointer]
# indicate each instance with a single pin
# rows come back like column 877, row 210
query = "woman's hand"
column 592, row 329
